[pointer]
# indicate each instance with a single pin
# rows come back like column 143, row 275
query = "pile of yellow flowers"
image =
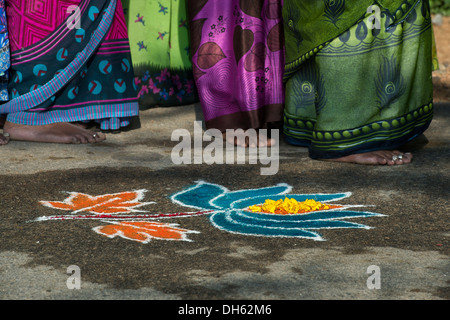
column 289, row 206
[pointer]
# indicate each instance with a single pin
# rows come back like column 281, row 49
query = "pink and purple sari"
column 70, row 62
column 238, row 61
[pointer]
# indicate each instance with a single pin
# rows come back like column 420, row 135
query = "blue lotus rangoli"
column 230, row 211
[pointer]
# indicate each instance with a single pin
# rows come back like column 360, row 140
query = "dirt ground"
column 441, row 78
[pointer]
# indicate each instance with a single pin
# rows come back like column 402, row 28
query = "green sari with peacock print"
column 357, row 74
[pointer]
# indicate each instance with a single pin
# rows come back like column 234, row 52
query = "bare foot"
column 4, row 139
column 66, row 133
column 248, row 139
column 383, row 157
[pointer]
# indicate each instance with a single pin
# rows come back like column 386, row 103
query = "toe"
column 271, row 142
column 401, row 158
column 90, row 138
column 253, row 142
column 407, row 157
column 100, row 136
column 82, row 138
column 4, row 138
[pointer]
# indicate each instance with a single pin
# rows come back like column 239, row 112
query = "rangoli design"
column 120, row 211
column 270, row 212
column 232, row 210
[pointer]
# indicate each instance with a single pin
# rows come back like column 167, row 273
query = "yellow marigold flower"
column 271, row 205
column 288, row 206
column 255, row 208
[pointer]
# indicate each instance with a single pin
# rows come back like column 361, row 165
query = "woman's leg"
column 364, row 94
column 52, row 93
column 238, row 56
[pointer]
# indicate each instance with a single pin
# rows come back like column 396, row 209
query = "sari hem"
column 379, row 135
column 88, row 113
column 255, row 119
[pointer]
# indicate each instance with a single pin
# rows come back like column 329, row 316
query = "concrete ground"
column 402, row 254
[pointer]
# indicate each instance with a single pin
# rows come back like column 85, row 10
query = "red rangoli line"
column 125, row 217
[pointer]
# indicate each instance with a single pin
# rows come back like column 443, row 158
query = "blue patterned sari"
column 80, row 70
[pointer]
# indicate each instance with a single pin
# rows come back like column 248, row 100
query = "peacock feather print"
column 293, row 16
column 334, row 10
column 390, row 84
column 309, row 88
